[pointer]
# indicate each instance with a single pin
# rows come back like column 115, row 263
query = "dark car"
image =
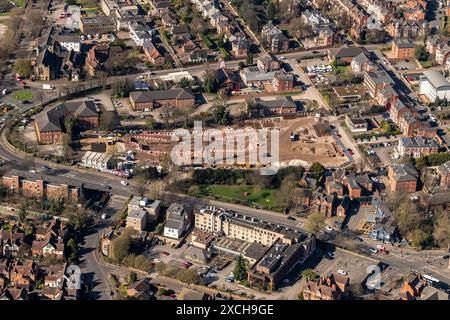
column 291, row 218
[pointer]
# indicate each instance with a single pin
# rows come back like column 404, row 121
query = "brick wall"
column 12, row 183
column 39, row 189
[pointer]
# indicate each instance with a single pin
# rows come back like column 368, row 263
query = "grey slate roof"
column 148, row 96
column 52, row 119
column 418, row 142
column 347, row 52
column 285, row 102
column 404, row 172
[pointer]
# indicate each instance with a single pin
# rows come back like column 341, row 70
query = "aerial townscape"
column 224, row 150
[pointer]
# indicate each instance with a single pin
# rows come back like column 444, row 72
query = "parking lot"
column 115, row 206
column 355, row 266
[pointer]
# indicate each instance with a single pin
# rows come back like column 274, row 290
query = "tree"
column 417, row 238
column 23, row 213
column 209, row 82
column 109, row 120
column 150, row 124
column 161, row 268
column 315, row 223
column 73, row 250
column 286, row 190
column 240, row 270
column 132, row 277
column 78, row 218
column 317, row 170
column 122, row 245
column 185, row 83
column 221, row 114
column 35, row 18
column 23, row 67
column 309, row 275
column 221, row 41
column 140, row 186
column 441, row 232
column 198, row 25
column 188, row 276
column 271, row 10
column 69, row 123
column 408, row 217
column 162, row 291
column 71, row 2
column 249, row 59
column 67, row 148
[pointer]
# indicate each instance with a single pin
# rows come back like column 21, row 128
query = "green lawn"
column 426, row 63
column 263, row 197
column 23, row 95
column 20, row 3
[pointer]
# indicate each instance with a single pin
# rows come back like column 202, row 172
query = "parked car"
column 342, row 272
column 373, row 250
column 328, row 228
column 124, row 183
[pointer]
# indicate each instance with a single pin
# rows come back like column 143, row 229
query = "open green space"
column 243, row 194
column 23, row 95
column 20, row 3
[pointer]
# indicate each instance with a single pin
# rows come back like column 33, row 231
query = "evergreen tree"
column 240, row 271
column 249, row 60
column 271, row 10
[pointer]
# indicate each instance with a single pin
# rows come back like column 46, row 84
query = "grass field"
column 88, row 3
column 20, row 3
column 23, row 95
column 262, row 197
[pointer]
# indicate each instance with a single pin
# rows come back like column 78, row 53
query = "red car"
column 165, row 253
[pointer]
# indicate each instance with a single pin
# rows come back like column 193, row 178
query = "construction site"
column 302, row 142
column 306, row 140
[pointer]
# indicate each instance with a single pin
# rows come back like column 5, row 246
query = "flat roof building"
column 434, row 85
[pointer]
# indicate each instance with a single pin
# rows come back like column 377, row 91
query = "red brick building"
column 49, row 124
column 37, row 188
column 333, row 287
column 141, row 100
column 283, row 81
column 403, row 178
column 403, row 50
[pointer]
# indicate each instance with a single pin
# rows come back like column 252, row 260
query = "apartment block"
column 38, row 188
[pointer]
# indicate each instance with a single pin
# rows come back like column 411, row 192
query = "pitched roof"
column 190, row 294
column 149, row 96
column 51, row 120
column 418, row 142
column 280, row 102
column 347, row 52
column 404, row 172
